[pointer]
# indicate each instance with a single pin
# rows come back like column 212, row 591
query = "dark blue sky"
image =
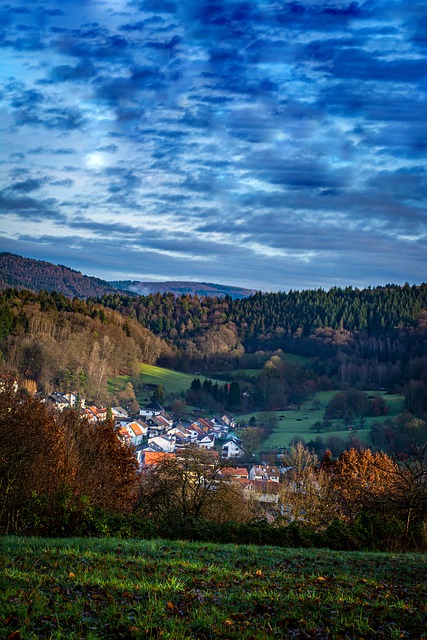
column 261, row 143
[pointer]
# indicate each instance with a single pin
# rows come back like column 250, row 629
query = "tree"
column 410, row 492
column 234, row 397
column 187, row 487
column 306, row 490
column 55, row 468
column 179, row 408
column 29, row 454
column 348, row 404
column 362, row 480
column 158, row 394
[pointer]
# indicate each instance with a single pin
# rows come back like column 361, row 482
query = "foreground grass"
column 106, row 588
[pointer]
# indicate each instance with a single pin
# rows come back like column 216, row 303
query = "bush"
column 340, row 537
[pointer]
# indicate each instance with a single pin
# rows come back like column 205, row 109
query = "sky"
column 267, row 144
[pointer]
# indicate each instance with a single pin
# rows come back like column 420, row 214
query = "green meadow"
column 103, row 589
column 298, row 423
column 290, row 424
column 173, row 382
column 253, row 372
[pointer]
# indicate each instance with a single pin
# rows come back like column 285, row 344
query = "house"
column 267, row 472
column 205, row 441
column 149, row 458
column 261, row 490
column 151, row 409
column 59, row 401
column 124, row 436
column 143, row 426
column 74, row 399
column 235, row 473
column 7, row 381
column 119, row 412
column 181, row 435
column 162, row 419
column 218, row 432
column 205, row 424
column 194, row 431
column 167, row 444
column 91, row 417
column 232, row 448
column 228, row 420
column 96, row 414
column 135, row 431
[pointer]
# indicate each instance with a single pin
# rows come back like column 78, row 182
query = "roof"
column 265, row 470
column 154, row 406
column 205, row 423
column 227, row 443
column 206, row 436
column 154, row 457
column 235, row 472
column 124, row 434
column 119, row 411
column 136, row 428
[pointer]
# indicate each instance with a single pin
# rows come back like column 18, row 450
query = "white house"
column 232, row 449
column 135, row 431
column 74, row 399
column 119, row 412
column 152, row 409
column 59, row 401
column 165, row 443
column 206, row 441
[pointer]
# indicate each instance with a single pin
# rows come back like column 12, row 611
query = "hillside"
column 60, row 343
column 36, row 275
column 179, row 288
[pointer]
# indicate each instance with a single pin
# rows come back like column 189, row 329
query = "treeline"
column 381, row 325
column 376, row 311
column 62, row 343
column 63, row 476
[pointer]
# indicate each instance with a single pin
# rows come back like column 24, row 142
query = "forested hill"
column 179, row 288
column 58, row 343
column 376, row 311
column 37, row 275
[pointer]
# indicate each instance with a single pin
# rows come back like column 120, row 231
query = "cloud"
column 280, row 141
column 33, row 209
column 26, row 186
column 66, row 73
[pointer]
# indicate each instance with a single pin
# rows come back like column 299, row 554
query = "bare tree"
column 306, row 490
column 189, row 486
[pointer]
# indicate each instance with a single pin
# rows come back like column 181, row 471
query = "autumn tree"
column 362, row 481
column 56, row 469
column 306, row 490
column 29, row 454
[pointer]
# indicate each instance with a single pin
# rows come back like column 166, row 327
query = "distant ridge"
column 19, row 272
column 36, row 275
column 179, row 288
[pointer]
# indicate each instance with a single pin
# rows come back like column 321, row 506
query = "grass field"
column 174, row 382
column 245, row 374
column 292, row 424
column 109, row 589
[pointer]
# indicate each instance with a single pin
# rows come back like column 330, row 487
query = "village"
column 156, row 435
